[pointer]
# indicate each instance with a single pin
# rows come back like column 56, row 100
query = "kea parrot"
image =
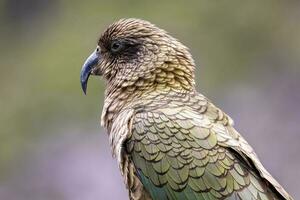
column 171, row 142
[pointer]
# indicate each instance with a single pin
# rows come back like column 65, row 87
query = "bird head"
column 134, row 52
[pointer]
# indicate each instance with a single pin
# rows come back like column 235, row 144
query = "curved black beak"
column 87, row 68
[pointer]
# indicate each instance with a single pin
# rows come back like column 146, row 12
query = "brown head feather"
column 149, row 57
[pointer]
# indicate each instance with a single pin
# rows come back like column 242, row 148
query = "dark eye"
column 116, row 46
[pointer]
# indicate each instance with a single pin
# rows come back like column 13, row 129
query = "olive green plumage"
column 181, row 152
column 170, row 141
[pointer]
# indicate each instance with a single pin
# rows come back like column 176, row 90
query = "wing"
column 181, row 154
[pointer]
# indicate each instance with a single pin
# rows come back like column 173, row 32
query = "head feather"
column 158, row 60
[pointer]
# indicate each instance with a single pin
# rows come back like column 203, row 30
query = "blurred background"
column 51, row 143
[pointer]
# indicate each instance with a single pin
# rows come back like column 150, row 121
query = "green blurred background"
column 51, row 142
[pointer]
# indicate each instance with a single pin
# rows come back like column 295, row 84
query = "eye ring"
column 97, row 49
column 116, row 46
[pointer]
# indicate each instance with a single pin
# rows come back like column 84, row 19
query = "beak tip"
column 84, row 86
column 84, row 92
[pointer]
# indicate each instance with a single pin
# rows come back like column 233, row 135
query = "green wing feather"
column 180, row 154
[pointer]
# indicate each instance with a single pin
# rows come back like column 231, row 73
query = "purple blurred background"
column 51, row 142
